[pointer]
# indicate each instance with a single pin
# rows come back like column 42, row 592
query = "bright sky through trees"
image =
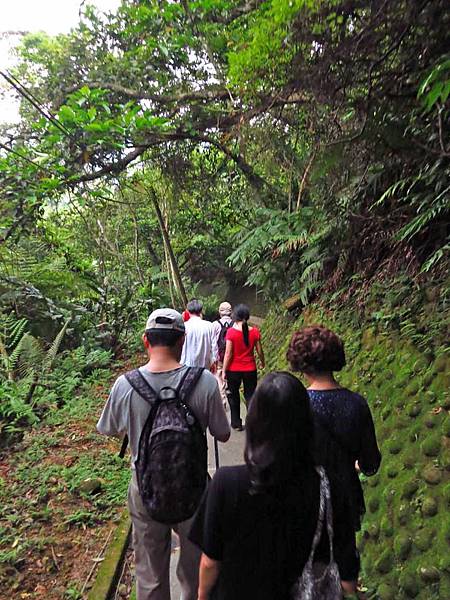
column 51, row 16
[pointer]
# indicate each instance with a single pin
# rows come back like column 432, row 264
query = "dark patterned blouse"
column 345, row 433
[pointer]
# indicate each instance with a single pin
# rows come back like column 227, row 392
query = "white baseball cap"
column 225, row 309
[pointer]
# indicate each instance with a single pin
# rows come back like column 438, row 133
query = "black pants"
column 235, row 378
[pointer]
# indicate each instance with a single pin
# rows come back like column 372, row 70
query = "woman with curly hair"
column 345, row 440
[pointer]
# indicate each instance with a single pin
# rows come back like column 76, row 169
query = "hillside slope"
column 405, row 537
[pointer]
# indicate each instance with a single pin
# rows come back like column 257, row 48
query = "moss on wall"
column 405, row 537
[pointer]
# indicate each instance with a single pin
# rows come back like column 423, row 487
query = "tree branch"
column 213, row 93
column 237, row 13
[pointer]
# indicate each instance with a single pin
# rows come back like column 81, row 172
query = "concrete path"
column 230, row 453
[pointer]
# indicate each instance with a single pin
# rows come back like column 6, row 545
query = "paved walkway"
column 230, row 453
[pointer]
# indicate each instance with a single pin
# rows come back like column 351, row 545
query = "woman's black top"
column 263, row 540
column 344, row 433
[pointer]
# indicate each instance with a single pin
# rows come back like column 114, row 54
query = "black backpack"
column 172, row 463
column 221, row 342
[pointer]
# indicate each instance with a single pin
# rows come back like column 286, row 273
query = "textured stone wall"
column 405, row 537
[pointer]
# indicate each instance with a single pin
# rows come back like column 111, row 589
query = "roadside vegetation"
column 298, row 146
column 62, row 489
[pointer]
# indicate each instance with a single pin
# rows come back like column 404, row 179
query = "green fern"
column 310, row 277
column 438, row 207
column 54, row 348
column 435, row 258
column 34, row 359
column 12, row 335
column 30, row 356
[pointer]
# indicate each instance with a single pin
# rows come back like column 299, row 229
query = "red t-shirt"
column 243, row 358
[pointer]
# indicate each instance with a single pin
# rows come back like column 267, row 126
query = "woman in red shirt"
column 239, row 364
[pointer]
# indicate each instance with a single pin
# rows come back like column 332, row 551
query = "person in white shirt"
column 220, row 328
column 200, row 347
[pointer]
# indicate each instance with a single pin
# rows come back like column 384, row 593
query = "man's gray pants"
column 152, row 549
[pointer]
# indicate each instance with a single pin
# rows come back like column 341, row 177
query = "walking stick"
column 124, row 447
column 216, row 453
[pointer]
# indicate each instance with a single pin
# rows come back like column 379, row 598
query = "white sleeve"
column 214, row 346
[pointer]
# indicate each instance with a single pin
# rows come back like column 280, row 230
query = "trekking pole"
column 124, row 447
column 216, row 452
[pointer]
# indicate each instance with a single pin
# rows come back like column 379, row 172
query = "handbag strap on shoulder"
column 328, row 511
column 325, row 512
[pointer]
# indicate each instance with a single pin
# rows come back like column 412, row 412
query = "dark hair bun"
column 315, row 349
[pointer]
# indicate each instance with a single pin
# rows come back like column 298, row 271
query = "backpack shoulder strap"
column 141, row 385
column 189, row 381
column 144, row 390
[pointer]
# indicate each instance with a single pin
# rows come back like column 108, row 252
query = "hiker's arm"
column 209, row 572
column 227, row 358
column 218, row 424
column 215, row 340
column 349, row 587
column 260, row 352
column 369, row 456
column 214, row 351
column 113, row 420
column 208, row 533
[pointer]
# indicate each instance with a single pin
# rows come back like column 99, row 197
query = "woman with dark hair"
column 239, row 365
column 256, row 524
column 345, row 440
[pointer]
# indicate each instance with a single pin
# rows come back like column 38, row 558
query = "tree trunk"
column 168, row 245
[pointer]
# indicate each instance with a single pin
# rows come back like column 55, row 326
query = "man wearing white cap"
column 220, row 328
column 126, row 412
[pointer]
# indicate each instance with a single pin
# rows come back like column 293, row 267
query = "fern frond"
column 11, row 329
column 30, row 356
column 435, row 258
column 54, row 348
column 311, row 273
column 426, row 215
column 16, row 331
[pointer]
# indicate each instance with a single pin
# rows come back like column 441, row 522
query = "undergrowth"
column 43, row 492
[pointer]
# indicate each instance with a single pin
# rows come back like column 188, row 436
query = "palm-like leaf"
column 54, row 348
column 29, row 356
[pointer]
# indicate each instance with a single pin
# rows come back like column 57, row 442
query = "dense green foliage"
column 327, row 121
column 332, row 114
column 301, row 146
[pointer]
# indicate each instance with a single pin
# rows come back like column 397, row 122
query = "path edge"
column 110, row 568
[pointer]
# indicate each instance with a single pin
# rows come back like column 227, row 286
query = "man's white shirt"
column 217, row 328
column 200, row 346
